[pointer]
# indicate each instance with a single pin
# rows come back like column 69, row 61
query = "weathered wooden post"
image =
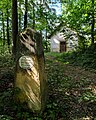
column 30, row 73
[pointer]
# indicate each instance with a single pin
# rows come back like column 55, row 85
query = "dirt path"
column 78, row 73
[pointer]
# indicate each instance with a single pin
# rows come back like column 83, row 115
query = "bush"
column 81, row 57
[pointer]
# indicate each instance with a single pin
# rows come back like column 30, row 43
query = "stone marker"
column 30, row 70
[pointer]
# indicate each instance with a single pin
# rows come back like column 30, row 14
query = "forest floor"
column 71, row 93
column 73, row 90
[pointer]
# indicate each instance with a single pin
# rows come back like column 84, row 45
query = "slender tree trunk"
column 14, row 25
column 3, row 27
column 93, row 23
column 25, row 16
column 33, row 26
column 19, row 17
column 8, row 38
column 46, row 33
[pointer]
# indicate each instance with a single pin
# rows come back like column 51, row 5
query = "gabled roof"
column 59, row 36
column 64, row 30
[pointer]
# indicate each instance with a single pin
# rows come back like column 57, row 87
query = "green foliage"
column 89, row 96
column 6, row 58
column 83, row 43
column 78, row 15
column 63, row 102
column 85, row 57
column 46, row 45
column 5, row 117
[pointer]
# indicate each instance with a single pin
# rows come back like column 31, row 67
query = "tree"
column 3, row 28
column 33, row 26
column 93, row 22
column 29, row 11
column 19, row 16
column 79, row 15
column 25, row 15
column 8, row 38
column 14, row 25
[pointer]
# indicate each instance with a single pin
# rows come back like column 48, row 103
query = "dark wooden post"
column 30, row 70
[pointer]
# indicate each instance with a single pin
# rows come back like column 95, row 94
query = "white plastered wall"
column 71, row 43
column 55, row 42
column 55, row 45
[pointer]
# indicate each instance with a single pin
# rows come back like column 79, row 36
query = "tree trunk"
column 46, row 33
column 33, row 26
column 25, row 16
column 30, row 70
column 8, row 38
column 3, row 27
column 93, row 23
column 14, row 25
column 19, row 17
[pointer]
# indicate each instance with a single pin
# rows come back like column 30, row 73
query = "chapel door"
column 63, row 46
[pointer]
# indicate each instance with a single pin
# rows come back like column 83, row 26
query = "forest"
column 66, row 79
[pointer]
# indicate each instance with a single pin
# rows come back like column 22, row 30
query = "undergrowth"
column 68, row 99
column 82, row 57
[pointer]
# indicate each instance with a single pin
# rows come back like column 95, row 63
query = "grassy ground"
column 71, row 92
